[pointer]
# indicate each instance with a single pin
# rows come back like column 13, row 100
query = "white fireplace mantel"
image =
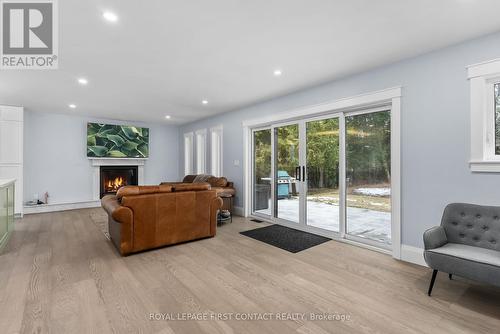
column 98, row 162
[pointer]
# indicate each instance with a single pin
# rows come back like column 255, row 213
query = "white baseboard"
column 239, row 211
column 52, row 207
column 413, row 255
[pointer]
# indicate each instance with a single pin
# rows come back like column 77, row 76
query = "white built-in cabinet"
column 11, row 150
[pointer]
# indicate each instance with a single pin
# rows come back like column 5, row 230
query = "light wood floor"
column 59, row 274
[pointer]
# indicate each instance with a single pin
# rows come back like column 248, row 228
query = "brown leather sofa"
column 146, row 217
column 223, row 187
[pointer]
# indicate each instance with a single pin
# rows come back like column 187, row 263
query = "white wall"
column 55, row 156
column 435, row 130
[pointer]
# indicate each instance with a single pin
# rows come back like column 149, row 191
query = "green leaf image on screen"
column 117, row 141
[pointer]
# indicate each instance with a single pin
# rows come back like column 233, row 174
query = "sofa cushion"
column 200, row 178
column 190, row 187
column 474, row 225
column 471, row 262
column 217, row 181
column 142, row 190
column 470, row 253
column 188, row 178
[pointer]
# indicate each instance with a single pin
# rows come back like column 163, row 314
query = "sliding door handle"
column 304, row 173
column 297, row 173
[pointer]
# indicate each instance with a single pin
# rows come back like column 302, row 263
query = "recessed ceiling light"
column 83, row 81
column 168, row 117
column 277, row 73
column 110, row 16
column 204, row 102
column 72, row 106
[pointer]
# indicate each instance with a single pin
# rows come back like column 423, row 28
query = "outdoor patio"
column 364, row 223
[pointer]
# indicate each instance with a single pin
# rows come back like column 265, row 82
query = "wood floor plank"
column 16, row 286
column 59, row 274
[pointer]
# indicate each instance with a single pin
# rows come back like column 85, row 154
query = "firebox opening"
column 115, row 177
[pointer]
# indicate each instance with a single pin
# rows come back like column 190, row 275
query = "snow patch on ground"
column 372, row 191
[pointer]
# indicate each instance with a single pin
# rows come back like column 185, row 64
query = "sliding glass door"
column 329, row 175
column 322, row 177
column 287, row 172
column 368, row 171
column 261, row 183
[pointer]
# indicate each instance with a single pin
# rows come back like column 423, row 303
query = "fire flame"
column 115, row 184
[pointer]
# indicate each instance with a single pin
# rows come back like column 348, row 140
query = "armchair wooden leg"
column 434, row 274
column 450, row 276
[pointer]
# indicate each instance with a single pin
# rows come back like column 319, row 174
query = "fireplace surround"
column 113, row 178
column 97, row 163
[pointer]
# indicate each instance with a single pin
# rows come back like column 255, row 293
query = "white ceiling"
column 164, row 57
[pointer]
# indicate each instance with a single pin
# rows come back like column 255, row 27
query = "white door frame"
column 391, row 100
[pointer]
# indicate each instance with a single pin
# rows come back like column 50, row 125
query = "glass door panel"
column 322, row 157
column 368, row 176
column 287, row 162
column 262, row 171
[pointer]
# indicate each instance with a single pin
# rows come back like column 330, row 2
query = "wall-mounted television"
column 117, row 141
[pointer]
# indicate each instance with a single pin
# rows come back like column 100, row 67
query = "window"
column 216, row 150
column 188, row 153
column 201, row 151
column 485, row 116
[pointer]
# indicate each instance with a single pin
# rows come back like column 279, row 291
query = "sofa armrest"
column 121, row 223
column 118, row 212
column 435, row 237
column 110, row 203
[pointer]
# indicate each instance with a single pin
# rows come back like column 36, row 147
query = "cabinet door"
column 14, row 172
column 3, row 213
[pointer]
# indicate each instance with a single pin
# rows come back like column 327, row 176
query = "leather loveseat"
column 146, row 217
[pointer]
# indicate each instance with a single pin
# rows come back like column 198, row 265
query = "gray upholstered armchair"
column 466, row 244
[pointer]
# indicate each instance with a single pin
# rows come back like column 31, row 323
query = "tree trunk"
column 321, row 177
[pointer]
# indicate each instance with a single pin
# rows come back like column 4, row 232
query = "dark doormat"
column 286, row 238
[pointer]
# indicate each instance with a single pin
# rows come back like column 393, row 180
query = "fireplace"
column 115, row 177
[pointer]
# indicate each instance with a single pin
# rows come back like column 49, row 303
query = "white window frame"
column 482, row 78
column 188, row 153
column 216, row 149
column 201, row 151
